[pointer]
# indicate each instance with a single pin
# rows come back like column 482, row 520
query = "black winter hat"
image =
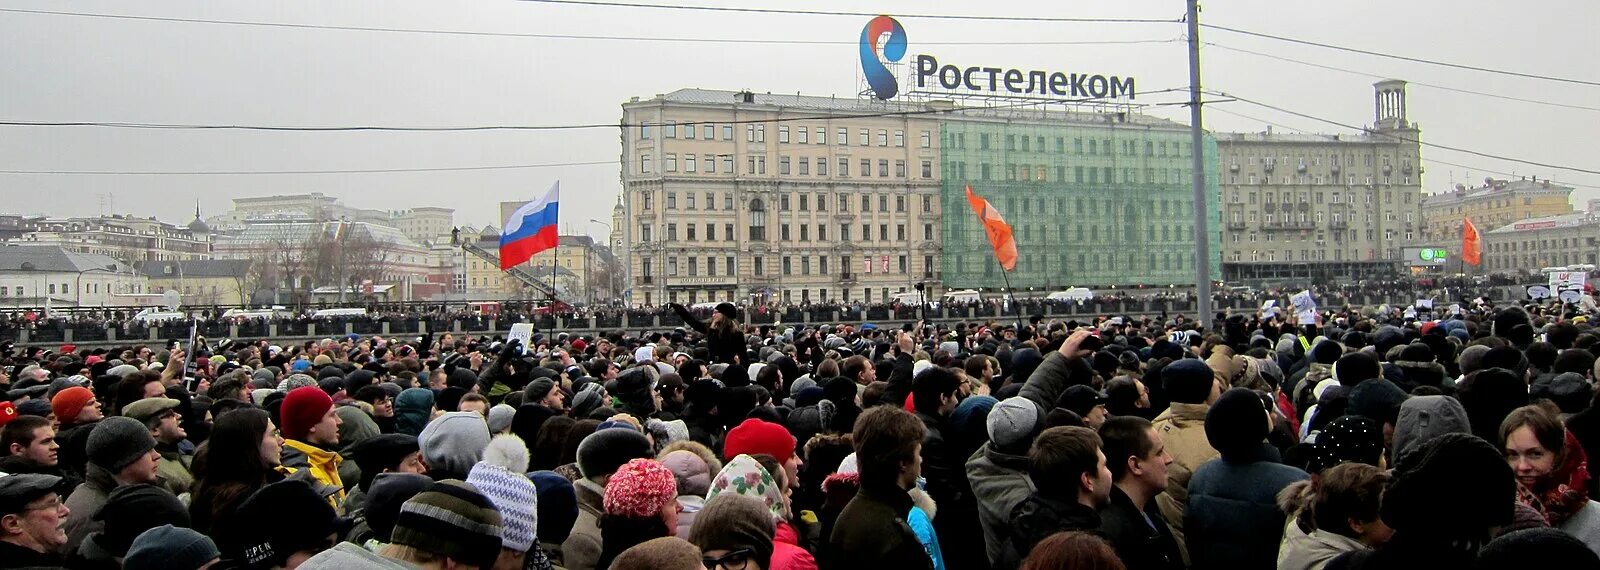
column 537, row 390
column 1569, row 390
column 133, row 509
column 1355, row 367
column 1489, row 396
column 1377, row 400
column 389, row 492
column 1536, row 548
column 283, row 518
column 1237, row 423
column 1455, row 486
column 603, row 451
column 1187, row 381
column 381, row 452
column 463, row 378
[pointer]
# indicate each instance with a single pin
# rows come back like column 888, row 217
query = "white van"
column 1071, row 294
column 961, row 296
column 152, row 315
column 347, row 312
column 275, row 311
column 906, row 298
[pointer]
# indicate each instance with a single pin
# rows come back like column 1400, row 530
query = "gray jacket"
column 999, row 482
column 346, row 556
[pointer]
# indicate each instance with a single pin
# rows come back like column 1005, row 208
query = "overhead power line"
column 1407, row 139
column 796, row 12
column 1408, row 81
column 336, row 171
column 1402, row 57
column 567, row 36
column 1429, row 159
column 578, row 126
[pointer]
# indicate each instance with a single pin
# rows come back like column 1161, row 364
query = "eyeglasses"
column 54, row 504
column 734, row 560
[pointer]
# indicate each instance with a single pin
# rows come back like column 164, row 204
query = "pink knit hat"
column 639, row 489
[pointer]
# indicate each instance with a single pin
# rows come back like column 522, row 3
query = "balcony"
column 847, row 278
column 1234, row 224
column 647, row 280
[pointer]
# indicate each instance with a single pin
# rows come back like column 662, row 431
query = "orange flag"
column 1471, row 246
column 999, row 232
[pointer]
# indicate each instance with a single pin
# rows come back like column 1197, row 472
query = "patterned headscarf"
column 1566, row 491
column 745, row 476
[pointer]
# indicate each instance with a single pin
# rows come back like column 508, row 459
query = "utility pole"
column 1202, row 237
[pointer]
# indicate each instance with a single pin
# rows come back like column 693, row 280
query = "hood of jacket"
column 1425, row 417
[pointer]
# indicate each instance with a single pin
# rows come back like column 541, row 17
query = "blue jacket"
column 1232, row 520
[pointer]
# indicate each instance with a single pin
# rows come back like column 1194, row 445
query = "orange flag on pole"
column 1005, row 248
column 1471, row 246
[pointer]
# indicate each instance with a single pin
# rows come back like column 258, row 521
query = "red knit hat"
column 302, row 409
column 755, row 436
column 8, row 412
column 639, row 489
column 69, row 402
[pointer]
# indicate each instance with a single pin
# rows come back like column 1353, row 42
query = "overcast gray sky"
column 74, row 68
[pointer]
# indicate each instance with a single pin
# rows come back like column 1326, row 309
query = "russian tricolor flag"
column 530, row 230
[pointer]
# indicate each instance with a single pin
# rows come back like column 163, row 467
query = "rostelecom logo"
column 878, row 75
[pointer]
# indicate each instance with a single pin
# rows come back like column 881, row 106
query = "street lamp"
column 610, row 271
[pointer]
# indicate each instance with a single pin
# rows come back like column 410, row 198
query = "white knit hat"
column 500, row 478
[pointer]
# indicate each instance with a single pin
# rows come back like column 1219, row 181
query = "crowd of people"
column 1354, row 441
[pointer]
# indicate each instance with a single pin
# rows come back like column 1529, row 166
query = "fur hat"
column 602, row 452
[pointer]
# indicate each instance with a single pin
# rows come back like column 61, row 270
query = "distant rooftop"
column 1492, row 186
column 1572, row 220
column 56, row 259
column 851, row 104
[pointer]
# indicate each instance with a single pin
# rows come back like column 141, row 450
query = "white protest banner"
column 522, row 332
column 1563, row 280
column 1424, row 303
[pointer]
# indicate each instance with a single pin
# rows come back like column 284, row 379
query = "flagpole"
column 1009, row 298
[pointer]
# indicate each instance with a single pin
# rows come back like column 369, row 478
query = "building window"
column 709, row 131
column 670, row 129
column 644, row 131
column 758, row 267
column 900, row 168
column 865, row 137
column 758, row 220
column 844, row 136
column 672, row 162
column 727, row 132
column 822, row 135
column 783, row 134
column 672, row 200
column 644, row 233
column 844, row 167
column 883, row 168
column 866, row 167
column 927, row 169
column 802, row 135
column 899, row 138
column 689, row 231
column 927, row 139
column 805, row 166
column 822, row 166
column 644, row 164
column 883, row 137
column 783, row 165
column 787, row 269
column 688, row 162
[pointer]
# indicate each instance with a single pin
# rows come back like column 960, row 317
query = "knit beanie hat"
column 733, row 522
column 500, row 417
column 452, row 519
column 528, row 418
column 1345, row 440
column 639, row 489
column 388, row 492
column 1536, row 548
column 1187, row 381
column 283, row 518
column 69, row 402
column 302, row 409
column 169, row 547
column 755, row 436
column 500, row 477
column 1355, row 367
column 1454, row 486
column 665, row 553
column 453, row 442
column 558, row 506
column 538, row 390
column 295, row 382
column 603, row 451
column 132, row 509
column 1376, row 399
column 1237, row 423
column 117, row 442
column 1014, row 423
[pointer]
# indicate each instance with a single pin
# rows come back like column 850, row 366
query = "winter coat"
column 1222, row 365
column 872, row 532
column 17, row 465
column 85, row 501
column 1038, row 517
column 689, row 507
column 1312, row 551
column 581, row 551
column 946, row 475
column 73, row 457
column 347, row 556
column 321, row 464
column 1585, row 525
column 1401, row 553
column 786, row 551
column 1183, row 429
column 173, row 467
column 1142, row 539
column 999, row 482
column 14, row 556
column 1232, row 520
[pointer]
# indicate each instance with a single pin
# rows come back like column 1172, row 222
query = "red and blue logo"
column 884, row 86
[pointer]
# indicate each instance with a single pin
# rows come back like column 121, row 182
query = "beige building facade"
column 761, row 198
column 1312, row 207
column 1494, row 205
column 1533, row 244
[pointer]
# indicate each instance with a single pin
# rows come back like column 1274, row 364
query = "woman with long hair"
column 1552, row 472
column 242, row 456
column 724, row 336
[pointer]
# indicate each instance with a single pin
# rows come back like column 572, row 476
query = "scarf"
column 324, row 465
column 1566, row 491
